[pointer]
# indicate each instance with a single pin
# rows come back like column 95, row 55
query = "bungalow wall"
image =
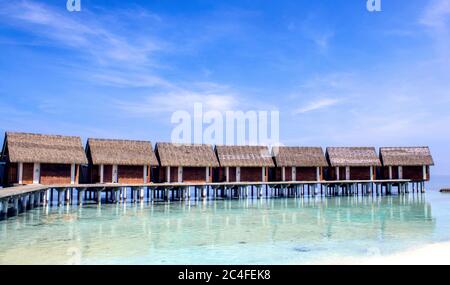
column 49, row 174
column 385, row 172
column 84, row 174
column 2, row 174
column 308, row 173
column 27, row 173
column 247, row 174
column 231, row 174
column 57, row 174
column 222, row 174
column 94, row 174
column 332, row 173
column 173, row 174
column 126, row 174
column 415, row 173
column 161, row 175
column 351, row 173
column 288, row 173
column 361, row 173
column 107, row 174
column 186, row 174
column 251, row 174
column 196, row 174
column 278, row 175
column 132, row 174
column 11, row 174
column 301, row 174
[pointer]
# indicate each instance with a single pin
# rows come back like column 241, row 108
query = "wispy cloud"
column 436, row 14
column 317, row 105
column 314, row 31
column 129, row 79
column 87, row 34
column 436, row 20
column 115, row 57
column 211, row 95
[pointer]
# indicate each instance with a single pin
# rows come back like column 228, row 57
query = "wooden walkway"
column 215, row 184
column 18, row 199
column 11, row 192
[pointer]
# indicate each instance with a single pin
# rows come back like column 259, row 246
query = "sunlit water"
column 274, row 231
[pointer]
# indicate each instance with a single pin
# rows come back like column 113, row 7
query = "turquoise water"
column 274, row 231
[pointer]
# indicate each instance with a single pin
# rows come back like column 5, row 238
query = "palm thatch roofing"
column 352, row 156
column 288, row 156
column 186, row 155
column 40, row 148
column 120, row 152
column 244, row 156
column 406, row 156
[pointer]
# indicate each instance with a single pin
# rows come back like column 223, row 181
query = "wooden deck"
column 25, row 189
column 21, row 198
column 219, row 184
column 20, row 190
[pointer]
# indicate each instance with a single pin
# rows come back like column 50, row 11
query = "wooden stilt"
column 99, row 197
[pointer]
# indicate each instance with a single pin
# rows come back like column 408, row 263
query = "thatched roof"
column 244, row 156
column 39, row 148
column 187, row 155
column 352, row 156
column 406, row 156
column 287, row 156
column 121, row 152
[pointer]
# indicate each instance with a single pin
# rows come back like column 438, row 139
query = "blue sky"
column 338, row 74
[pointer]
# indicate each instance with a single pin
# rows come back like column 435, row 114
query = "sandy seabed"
column 431, row 254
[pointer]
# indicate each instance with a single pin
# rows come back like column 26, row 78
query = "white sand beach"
column 432, row 254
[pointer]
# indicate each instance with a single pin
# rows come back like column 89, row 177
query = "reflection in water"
column 237, row 231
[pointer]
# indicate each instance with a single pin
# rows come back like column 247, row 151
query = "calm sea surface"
column 274, row 231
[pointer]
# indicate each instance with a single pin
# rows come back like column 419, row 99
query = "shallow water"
column 274, row 231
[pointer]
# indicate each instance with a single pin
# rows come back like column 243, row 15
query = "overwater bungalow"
column 42, row 159
column 352, row 163
column 120, row 161
column 406, row 163
column 189, row 163
column 243, row 163
column 299, row 163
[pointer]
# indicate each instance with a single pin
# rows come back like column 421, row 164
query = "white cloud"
column 218, row 99
column 317, row 105
column 436, row 14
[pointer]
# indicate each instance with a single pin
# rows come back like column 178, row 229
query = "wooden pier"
column 15, row 200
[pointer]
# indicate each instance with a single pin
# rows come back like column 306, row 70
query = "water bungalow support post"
column 203, row 192
column 44, row 196
column 80, row 197
column 117, row 193
column 142, row 194
column 67, row 195
column 60, row 197
column 3, row 209
column 16, row 205
column 38, row 199
column 99, row 196
column 31, row 198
